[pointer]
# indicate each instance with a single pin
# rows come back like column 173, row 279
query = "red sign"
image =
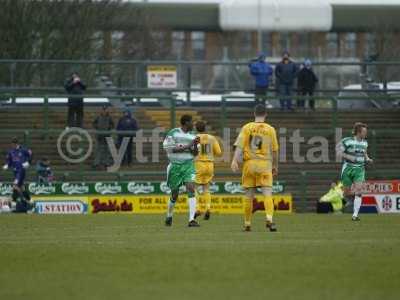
column 382, row 187
column 110, row 205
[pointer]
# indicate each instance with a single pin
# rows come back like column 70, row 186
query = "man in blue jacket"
column 286, row 73
column 261, row 71
column 127, row 123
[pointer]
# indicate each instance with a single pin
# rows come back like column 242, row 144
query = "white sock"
column 170, row 210
column 357, row 205
column 192, row 208
column 269, row 218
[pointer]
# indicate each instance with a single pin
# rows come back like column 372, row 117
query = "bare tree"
column 76, row 30
column 385, row 46
column 143, row 40
column 59, row 29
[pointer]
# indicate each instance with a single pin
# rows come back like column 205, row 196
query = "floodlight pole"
column 259, row 31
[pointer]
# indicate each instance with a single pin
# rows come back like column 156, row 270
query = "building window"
column 331, row 45
column 304, row 44
column 198, row 45
column 178, row 42
column 284, row 41
column 370, row 44
column 267, row 43
column 350, row 45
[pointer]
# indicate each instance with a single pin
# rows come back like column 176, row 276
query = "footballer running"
column 353, row 152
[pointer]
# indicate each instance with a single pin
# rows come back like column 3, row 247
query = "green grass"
column 136, row 257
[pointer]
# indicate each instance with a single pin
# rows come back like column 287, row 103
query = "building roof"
column 271, row 15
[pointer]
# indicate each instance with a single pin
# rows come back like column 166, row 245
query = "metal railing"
column 129, row 99
column 331, row 103
column 129, row 76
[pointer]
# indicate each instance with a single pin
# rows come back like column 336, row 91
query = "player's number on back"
column 205, row 149
column 256, row 142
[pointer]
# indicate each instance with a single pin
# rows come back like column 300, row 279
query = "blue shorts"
column 19, row 177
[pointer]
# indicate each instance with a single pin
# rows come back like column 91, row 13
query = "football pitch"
column 137, row 257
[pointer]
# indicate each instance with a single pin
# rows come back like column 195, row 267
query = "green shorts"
column 351, row 175
column 179, row 174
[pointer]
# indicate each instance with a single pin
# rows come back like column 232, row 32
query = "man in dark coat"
column 43, row 170
column 127, row 123
column 74, row 86
column 103, row 122
column 286, row 73
column 306, row 82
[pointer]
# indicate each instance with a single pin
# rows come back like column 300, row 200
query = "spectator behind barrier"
column 261, row 71
column 74, row 86
column 286, row 73
column 306, row 82
column 127, row 123
column 43, row 170
column 103, row 122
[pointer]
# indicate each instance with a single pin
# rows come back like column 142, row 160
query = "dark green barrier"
column 122, row 188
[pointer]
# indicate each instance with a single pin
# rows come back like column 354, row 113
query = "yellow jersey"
column 257, row 140
column 208, row 147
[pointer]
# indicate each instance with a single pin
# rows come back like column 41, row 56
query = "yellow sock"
column 207, row 200
column 269, row 207
column 248, row 211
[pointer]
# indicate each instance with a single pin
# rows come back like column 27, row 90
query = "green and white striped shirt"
column 358, row 149
column 176, row 137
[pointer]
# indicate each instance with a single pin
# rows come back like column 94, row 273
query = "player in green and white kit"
column 353, row 152
column 181, row 147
